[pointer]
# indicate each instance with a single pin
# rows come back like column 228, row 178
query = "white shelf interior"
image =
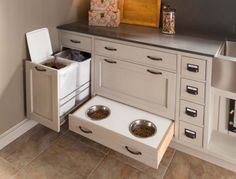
column 223, row 146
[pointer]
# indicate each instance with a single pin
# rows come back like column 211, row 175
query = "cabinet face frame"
column 53, row 121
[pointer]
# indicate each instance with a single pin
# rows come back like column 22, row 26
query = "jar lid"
column 169, row 10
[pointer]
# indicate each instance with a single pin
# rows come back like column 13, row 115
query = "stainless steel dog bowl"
column 142, row 128
column 98, row 112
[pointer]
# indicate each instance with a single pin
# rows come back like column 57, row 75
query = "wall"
column 16, row 18
column 214, row 16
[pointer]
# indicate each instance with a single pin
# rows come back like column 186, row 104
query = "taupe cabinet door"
column 42, row 95
column 143, row 87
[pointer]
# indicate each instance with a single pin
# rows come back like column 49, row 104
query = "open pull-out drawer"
column 114, row 130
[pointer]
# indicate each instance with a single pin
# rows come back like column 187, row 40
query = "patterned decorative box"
column 104, row 18
column 104, row 5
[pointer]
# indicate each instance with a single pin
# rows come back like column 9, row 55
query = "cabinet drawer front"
column 107, row 138
column 194, row 68
column 149, row 57
column 191, row 134
column 122, row 144
column 192, row 113
column 76, row 41
column 149, row 89
column 193, row 91
column 42, row 86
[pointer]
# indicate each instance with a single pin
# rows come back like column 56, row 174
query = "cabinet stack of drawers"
column 192, row 103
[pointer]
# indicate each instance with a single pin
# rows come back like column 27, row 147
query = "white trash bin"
column 65, row 72
column 83, row 60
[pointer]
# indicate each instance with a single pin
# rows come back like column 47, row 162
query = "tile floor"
column 43, row 154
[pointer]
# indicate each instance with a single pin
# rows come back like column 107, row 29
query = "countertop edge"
column 60, row 27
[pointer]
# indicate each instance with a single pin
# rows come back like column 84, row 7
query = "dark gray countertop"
column 202, row 44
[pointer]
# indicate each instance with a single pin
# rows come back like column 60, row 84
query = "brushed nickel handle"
column 110, row 61
column 85, row 131
column 192, row 90
column 193, row 68
column 190, row 134
column 154, row 72
column 132, row 152
column 40, row 69
column 75, row 41
column 191, row 112
column 154, row 58
column 110, row 48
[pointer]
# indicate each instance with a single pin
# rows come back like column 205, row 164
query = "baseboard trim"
column 15, row 132
column 204, row 156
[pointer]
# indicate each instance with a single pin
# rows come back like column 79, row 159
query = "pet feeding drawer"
column 115, row 130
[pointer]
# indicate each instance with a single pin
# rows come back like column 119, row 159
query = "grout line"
column 10, row 164
column 31, row 161
column 95, row 168
column 129, row 164
column 106, row 153
column 167, row 167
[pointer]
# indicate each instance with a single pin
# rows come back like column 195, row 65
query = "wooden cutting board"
column 140, row 12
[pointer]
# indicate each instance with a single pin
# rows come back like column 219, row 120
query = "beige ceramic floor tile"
column 156, row 173
column 6, row 170
column 91, row 143
column 111, row 168
column 23, row 150
column 167, row 158
column 184, row 166
column 67, row 158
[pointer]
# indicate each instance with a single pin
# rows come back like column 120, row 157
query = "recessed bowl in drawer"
column 153, row 58
column 98, row 112
column 142, row 128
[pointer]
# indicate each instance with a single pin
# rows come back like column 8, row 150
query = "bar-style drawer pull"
column 154, row 58
column 192, row 68
column 85, row 130
column 132, row 152
column 154, row 72
column 110, row 48
column 40, row 69
column 190, row 134
column 110, row 61
column 192, row 90
column 191, row 112
column 75, row 41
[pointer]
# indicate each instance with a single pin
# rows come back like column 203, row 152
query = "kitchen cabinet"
column 120, row 60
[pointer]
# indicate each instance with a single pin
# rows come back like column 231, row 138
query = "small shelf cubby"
column 222, row 142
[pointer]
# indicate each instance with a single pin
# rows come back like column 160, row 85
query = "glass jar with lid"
column 168, row 21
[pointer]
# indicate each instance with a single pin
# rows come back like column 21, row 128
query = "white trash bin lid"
column 39, row 45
